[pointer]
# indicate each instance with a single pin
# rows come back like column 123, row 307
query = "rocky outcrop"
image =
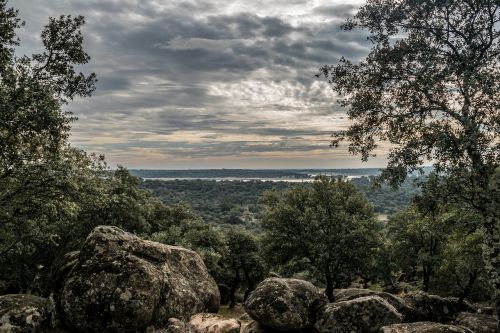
column 24, row 314
column 479, row 323
column 285, row 304
column 409, row 313
column 434, row 308
column 212, row 323
column 424, row 327
column 363, row 315
column 121, row 283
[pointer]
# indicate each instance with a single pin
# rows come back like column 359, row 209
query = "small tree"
column 328, row 228
column 417, row 241
column 243, row 264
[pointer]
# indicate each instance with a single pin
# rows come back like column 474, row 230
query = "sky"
column 189, row 84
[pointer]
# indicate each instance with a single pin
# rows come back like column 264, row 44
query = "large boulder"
column 285, row 304
column 424, row 327
column 408, row 312
column 479, row 323
column 212, row 323
column 24, row 314
column 360, row 315
column 434, row 308
column 121, row 283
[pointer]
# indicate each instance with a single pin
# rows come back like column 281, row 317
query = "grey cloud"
column 157, row 67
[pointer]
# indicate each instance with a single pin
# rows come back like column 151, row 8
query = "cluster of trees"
column 237, row 202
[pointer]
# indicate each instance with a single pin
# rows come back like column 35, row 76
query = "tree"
column 328, row 228
column 430, row 87
column 243, row 264
column 52, row 194
column 417, row 241
column 462, row 269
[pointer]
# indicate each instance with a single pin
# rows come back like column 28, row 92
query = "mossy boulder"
column 121, row 283
column 360, row 315
column 285, row 304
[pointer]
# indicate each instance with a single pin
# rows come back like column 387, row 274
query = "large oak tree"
column 430, row 87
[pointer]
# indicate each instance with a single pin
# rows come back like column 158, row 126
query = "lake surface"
column 243, row 179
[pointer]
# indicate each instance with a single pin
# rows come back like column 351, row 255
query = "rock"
column 363, row 315
column 178, row 326
column 254, row 327
column 24, row 313
column 479, row 323
column 245, row 317
column 397, row 302
column 285, row 304
column 424, row 327
column 212, row 323
column 434, row 308
column 122, row 283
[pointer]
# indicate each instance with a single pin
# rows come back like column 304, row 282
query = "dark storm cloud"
column 170, row 66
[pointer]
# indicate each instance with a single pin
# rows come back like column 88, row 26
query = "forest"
column 106, row 251
column 238, row 202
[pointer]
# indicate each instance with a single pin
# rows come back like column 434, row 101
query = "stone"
column 121, row 283
column 245, row 317
column 24, row 314
column 213, row 323
column 360, row 315
column 285, row 304
column 178, row 326
column 434, row 308
column 254, row 327
column 479, row 323
column 408, row 312
column 424, row 327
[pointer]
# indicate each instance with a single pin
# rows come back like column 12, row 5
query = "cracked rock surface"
column 121, row 283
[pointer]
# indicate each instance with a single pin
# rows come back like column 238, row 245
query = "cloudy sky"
column 208, row 83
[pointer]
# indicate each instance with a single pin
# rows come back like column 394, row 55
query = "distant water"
column 238, row 179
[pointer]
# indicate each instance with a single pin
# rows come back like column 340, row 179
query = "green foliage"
column 462, row 271
column 430, row 87
column 243, row 264
column 328, row 228
column 417, row 242
column 51, row 194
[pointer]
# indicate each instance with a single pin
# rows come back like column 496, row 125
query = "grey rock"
column 424, row 327
column 479, row 323
column 360, row 315
column 213, row 323
column 285, row 304
column 121, row 283
column 434, row 308
column 178, row 326
column 24, row 314
column 409, row 313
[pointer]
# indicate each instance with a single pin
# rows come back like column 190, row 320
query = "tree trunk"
column 466, row 291
column 492, row 259
column 329, row 286
column 232, row 291
column 427, row 279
